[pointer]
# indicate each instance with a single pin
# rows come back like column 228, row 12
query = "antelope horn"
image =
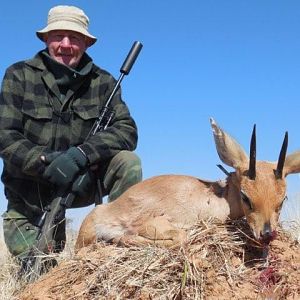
column 252, row 162
column 282, row 155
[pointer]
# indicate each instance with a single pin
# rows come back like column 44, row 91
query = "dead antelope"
column 160, row 209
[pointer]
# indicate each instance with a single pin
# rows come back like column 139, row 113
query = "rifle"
column 34, row 264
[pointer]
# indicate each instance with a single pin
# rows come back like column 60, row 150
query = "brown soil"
column 218, row 262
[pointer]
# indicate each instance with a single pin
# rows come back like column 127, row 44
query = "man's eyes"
column 72, row 38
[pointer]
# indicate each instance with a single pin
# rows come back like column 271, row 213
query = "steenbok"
column 160, row 209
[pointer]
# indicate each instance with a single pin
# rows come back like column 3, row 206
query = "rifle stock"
column 32, row 265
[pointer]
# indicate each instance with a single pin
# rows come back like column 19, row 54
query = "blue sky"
column 235, row 60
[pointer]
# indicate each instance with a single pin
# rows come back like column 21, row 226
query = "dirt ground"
column 217, row 262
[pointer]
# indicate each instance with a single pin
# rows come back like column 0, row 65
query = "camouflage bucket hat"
column 63, row 17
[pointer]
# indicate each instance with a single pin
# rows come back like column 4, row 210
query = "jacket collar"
column 37, row 62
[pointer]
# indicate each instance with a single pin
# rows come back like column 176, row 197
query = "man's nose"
column 65, row 42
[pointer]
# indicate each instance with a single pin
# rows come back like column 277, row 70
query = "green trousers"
column 20, row 231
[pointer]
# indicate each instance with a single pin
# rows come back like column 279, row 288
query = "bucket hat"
column 63, row 17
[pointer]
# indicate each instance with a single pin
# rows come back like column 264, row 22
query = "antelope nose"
column 266, row 235
column 267, row 230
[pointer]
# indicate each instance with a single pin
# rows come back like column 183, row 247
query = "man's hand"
column 47, row 159
column 63, row 168
column 83, row 185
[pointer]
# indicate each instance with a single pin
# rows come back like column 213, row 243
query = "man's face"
column 66, row 46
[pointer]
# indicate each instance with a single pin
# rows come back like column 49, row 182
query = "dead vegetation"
column 217, row 262
column 10, row 283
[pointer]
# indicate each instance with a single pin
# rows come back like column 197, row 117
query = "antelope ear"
column 229, row 151
column 292, row 163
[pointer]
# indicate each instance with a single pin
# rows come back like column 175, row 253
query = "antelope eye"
column 246, row 200
column 281, row 204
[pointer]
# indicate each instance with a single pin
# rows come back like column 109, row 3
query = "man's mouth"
column 65, row 55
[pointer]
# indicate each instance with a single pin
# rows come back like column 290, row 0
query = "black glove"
column 63, row 168
column 47, row 159
column 83, row 185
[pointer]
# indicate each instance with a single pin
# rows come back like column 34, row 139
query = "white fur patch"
column 108, row 232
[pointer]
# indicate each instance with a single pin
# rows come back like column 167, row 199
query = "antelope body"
column 161, row 209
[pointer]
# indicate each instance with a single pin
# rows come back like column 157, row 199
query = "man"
column 48, row 105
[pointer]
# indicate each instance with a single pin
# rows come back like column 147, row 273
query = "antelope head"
column 261, row 184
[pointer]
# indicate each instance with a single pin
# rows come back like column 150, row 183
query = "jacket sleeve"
column 121, row 134
column 15, row 148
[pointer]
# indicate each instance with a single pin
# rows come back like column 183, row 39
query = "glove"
column 47, row 159
column 63, row 169
column 83, row 185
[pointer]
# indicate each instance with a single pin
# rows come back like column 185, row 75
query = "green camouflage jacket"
column 33, row 122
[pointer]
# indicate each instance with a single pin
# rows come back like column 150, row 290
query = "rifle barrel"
column 131, row 57
column 126, row 67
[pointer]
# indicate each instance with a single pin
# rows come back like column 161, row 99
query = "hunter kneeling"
column 48, row 106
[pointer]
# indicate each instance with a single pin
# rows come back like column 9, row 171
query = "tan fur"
column 160, row 209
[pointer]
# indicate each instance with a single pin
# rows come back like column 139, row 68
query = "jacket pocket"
column 37, row 122
column 87, row 112
column 84, row 118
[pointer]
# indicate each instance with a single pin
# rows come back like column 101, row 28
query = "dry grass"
column 218, row 262
column 291, row 217
column 10, row 284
